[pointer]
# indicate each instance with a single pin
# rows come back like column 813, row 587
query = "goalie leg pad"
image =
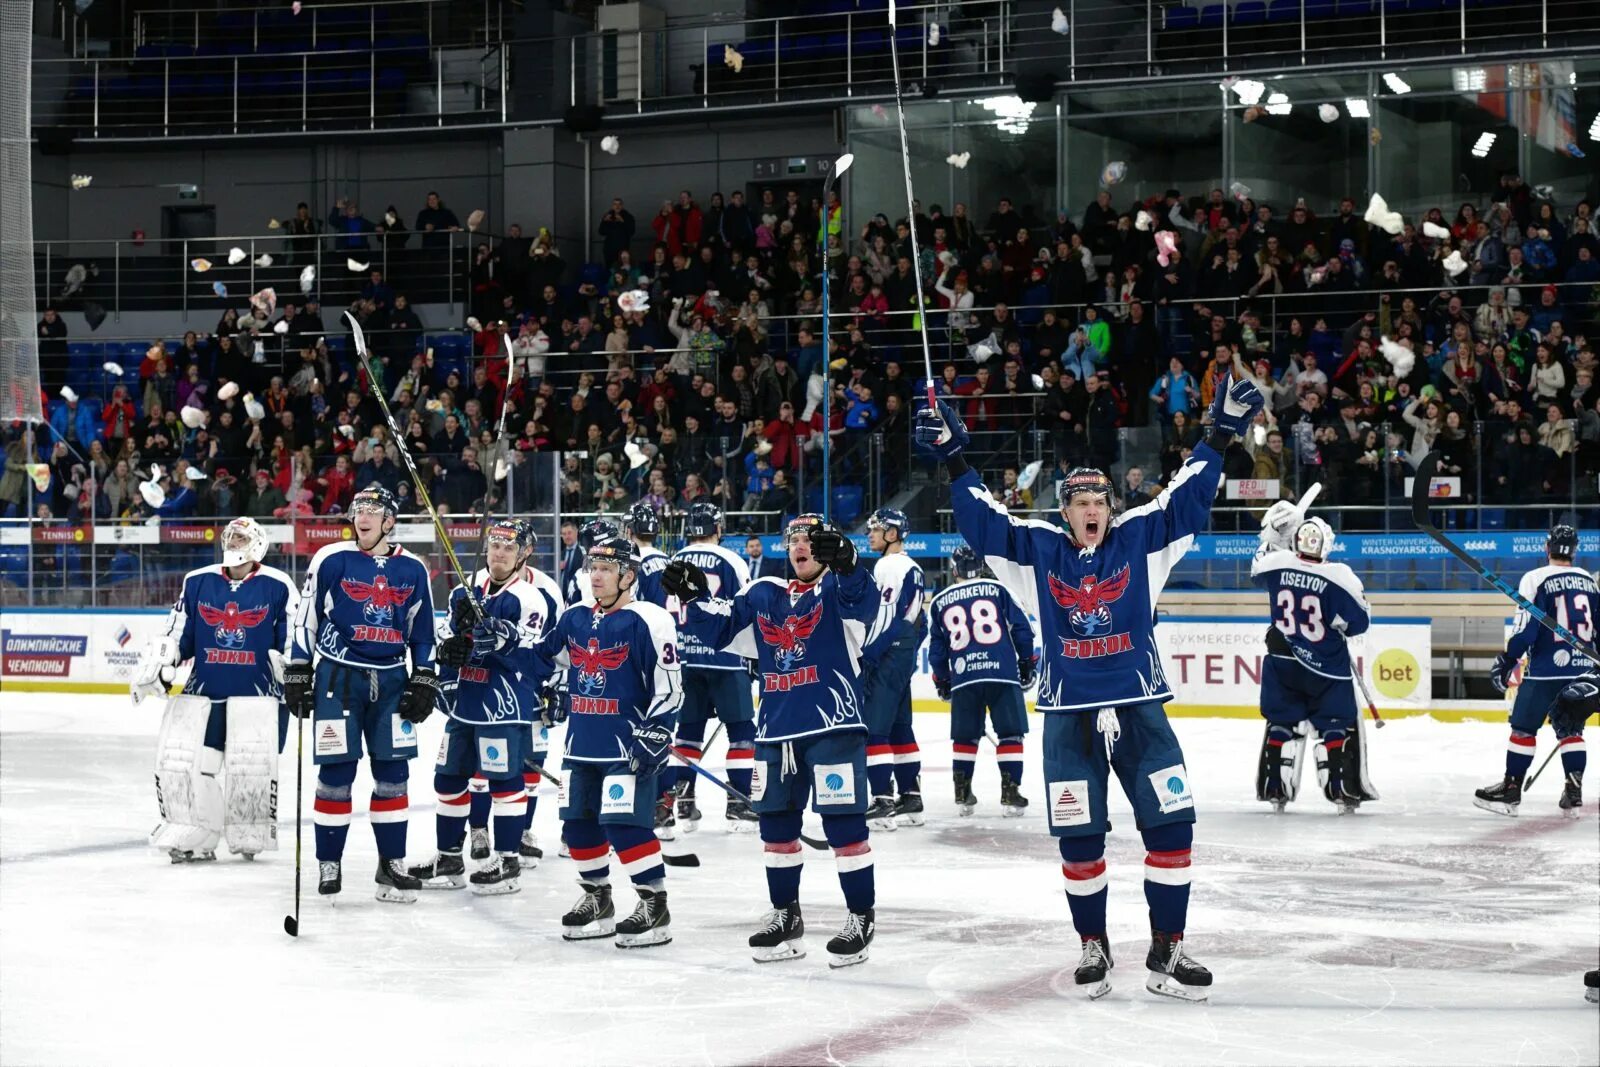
column 187, row 791
column 250, row 789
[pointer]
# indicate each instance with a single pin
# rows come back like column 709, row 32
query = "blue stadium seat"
column 1211, row 15
column 1180, row 17
column 848, row 501
column 1319, row 9
column 1355, row 8
column 1283, row 11
column 1250, row 12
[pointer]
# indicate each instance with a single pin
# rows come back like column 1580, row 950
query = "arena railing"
column 317, row 23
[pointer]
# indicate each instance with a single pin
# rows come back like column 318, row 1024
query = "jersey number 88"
column 984, row 627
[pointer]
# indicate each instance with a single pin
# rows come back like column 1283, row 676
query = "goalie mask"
column 243, row 542
column 1313, row 540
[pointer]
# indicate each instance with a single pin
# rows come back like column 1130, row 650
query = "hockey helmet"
column 618, row 550
column 243, row 541
column 1313, row 540
column 889, row 519
column 1562, row 542
column 1081, row 480
column 805, row 525
column 704, row 520
column 594, row 531
column 374, row 498
column 518, row 532
column 966, row 562
column 643, row 520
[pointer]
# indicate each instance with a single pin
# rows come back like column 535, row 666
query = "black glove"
column 942, row 687
column 834, row 550
column 455, row 650
column 297, row 691
column 1500, row 673
column 555, row 704
column 650, row 742
column 1027, row 667
column 465, row 612
column 684, row 580
column 1579, row 700
column 422, row 693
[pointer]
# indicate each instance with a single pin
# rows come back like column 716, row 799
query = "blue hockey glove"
column 1027, row 668
column 942, row 431
column 1500, row 673
column 420, row 696
column 649, row 750
column 494, row 635
column 1236, row 406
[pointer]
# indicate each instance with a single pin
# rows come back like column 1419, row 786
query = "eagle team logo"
column 378, row 599
column 593, row 661
column 1089, row 605
column 788, row 640
column 231, row 622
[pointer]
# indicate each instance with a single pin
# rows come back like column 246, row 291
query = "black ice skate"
column 688, row 815
column 1274, row 793
column 908, row 810
column 592, row 916
column 199, row 855
column 880, row 814
column 666, row 821
column 780, row 937
column 1572, row 795
column 1591, row 987
column 395, row 886
column 966, row 799
column 499, row 877
column 849, row 945
column 1172, row 972
column 649, row 925
column 480, row 842
column 741, row 820
column 329, row 879
column 529, row 850
column 1012, row 803
column 1094, row 966
column 1502, row 799
column 444, row 871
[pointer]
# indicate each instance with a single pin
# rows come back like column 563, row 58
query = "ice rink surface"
column 1419, row 931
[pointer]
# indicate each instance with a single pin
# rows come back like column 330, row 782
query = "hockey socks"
column 907, row 759
column 1083, row 864
column 880, row 765
column 741, row 755
column 689, row 738
column 780, row 841
column 1519, row 755
column 1166, row 875
column 964, row 757
column 388, row 807
column 450, row 823
column 853, row 854
column 478, row 810
column 509, row 805
column 1009, row 753
column 331, row 809
column 532, row 775
column 1574, row 755
column 591, row 853
column 639, row 853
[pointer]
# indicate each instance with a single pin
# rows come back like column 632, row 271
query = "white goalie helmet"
column 243, row 541
column 1313, row 540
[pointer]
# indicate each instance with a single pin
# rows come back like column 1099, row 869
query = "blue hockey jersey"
column 1096, row 609
column 622, row 668
column 726, row 573
column 1310, row 603
column 499, row 687
column 900, row 584
column 967, row 634
column 365, row 610
column 807, row 639
column 230, row 628
column 1567, row 595
column 652, row 561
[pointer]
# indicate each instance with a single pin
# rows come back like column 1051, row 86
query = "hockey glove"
column 1500, row 673
column 297, row 691
column 942, row 687
column 651, row 740
column 154, row 673
column 494, row 635
column 1279, row 524
column 555, row 704
column 833, row 549
column 422, row 693
column 684, row 580
column 465, row 612
column 941, row 432
column 1027, row 669
column 1579, row 700
column 455, row 650
column 1235, row 407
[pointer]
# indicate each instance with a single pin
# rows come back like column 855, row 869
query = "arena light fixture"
column 1485, row 142
column 1396, row 84
column 1278, row 104
column 1249, row 91
column 1469, row 79
column 1013, row 114
column 1357, row 108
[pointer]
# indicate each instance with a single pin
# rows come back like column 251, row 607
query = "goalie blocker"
column 197, row 810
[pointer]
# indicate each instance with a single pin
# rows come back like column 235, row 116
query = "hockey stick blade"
column 291, row 926
column 688, row 859
column 1427, row 470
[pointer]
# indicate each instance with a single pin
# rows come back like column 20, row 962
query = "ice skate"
column 480, row 842
column 849, row 946
column 395, row 886
column 1591, row 987
column 1172, row 972
column 330, row 880
column 1572, row 795
column 444, row 871
column 666, row 827
column 880, row 814
column 529, row 850
column 649, row 925
column 966, row 800
column 908, row 810
column 1502, row 799
column 780, row 937
column 1094, row 967
column 564, row 852
column 199, row 855
column 1012, row 803
column 499, row 878
column 592, row 916
column 688, row 815
column 741, row 820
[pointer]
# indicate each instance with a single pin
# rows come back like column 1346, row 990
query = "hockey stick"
column 688, row 786
column 489, row 464
column 411, row 464
column 291, row 923
column 1361, row 683
column 1426, row 471
column 835, row 169
column 1535, row 775
column 911, row 211
column 814, row 842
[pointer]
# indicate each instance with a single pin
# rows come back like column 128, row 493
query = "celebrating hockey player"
column 486, row 671
column 364, row 610
column 233, row 621
column 887, row 664
column 624, row 671
column 714, row 682
column 1316, row 606
column 1568, row 595
column 982, row 670
column 807, row 635
column 644, row 526
column 1096, row 585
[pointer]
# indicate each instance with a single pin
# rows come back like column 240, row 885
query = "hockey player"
column 591, row 533
column 887, row 662
column 644, row 525
column 364, row 610
column 1096, row 584
column 624, row 673
column 486, row 682
column 234, row 622
column 980, row 668
column 807, row 635
column 1316, row 606
column 714, row 683
column 1568, row 595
